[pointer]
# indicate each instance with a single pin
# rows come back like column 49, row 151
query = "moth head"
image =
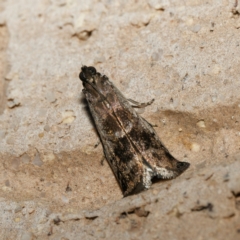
column 87, row 74
column 93, row 83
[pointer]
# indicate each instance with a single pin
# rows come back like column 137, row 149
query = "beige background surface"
column 185, row 54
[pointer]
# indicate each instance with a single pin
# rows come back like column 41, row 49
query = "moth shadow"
column 86, row 110
column 158, row 180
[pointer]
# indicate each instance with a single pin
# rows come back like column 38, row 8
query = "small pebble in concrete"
column 195, row 147
column 196, row 28
column 68, row 116
column 50, row 97
column 201, row 124
column 37, row 160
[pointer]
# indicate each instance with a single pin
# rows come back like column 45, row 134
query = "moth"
column 131, row 145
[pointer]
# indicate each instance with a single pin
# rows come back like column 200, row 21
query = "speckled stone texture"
column 185, row 54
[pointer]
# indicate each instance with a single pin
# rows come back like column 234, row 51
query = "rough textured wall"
column 185, row 54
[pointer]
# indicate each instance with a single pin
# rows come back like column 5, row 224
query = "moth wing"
column 121, row 155
column 144, row 138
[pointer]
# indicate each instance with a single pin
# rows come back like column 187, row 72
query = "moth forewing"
column 125, row 162
column 131, row 145
column 145, row 139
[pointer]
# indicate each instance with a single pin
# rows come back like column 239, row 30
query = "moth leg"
column 140, row 105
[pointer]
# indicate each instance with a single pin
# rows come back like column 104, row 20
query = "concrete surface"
column 185, row 54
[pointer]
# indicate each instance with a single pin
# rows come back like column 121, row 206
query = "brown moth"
column 131, row 145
